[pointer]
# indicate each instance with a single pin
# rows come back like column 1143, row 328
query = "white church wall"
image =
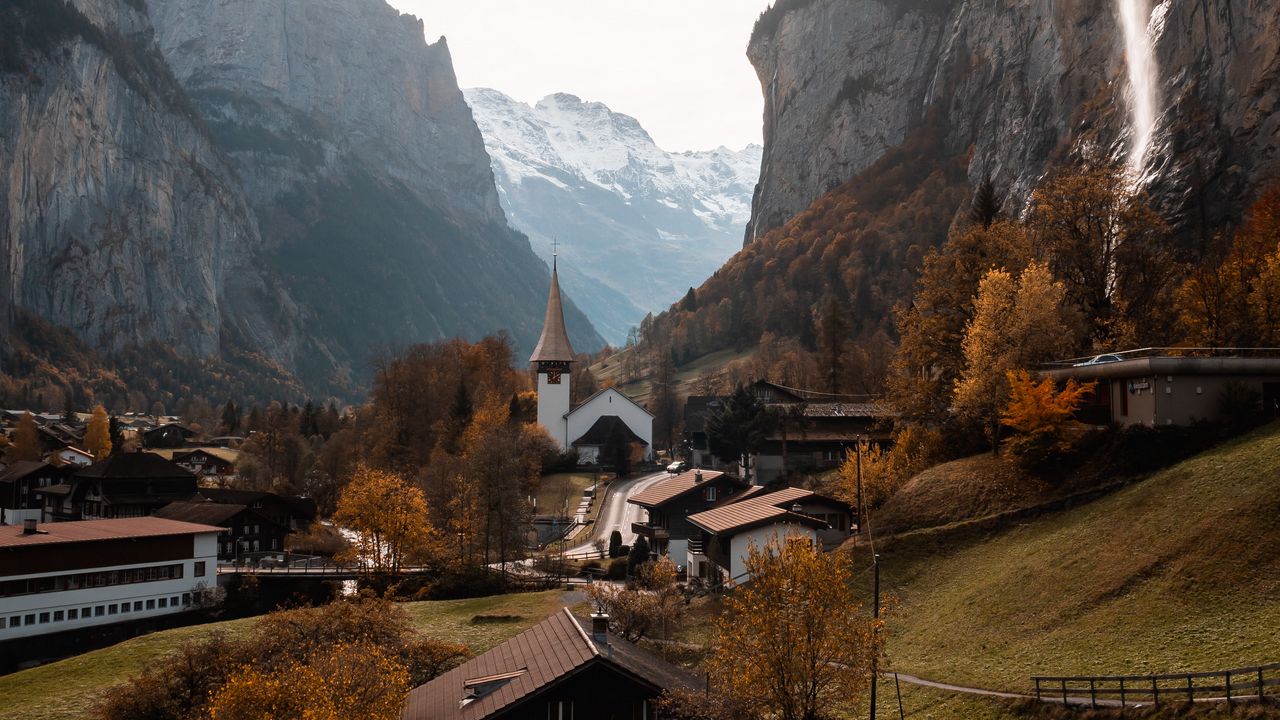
column 609, row 402
column 553, row 403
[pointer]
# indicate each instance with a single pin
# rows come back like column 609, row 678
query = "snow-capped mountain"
column 637, row 225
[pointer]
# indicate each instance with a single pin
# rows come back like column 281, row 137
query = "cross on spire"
column 555, row 252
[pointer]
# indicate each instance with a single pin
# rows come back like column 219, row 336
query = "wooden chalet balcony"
column 650, row 531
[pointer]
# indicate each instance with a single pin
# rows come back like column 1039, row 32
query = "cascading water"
column 1137, row 21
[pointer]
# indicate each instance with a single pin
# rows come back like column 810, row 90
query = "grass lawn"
column 561, row 492
column 66, row 690
column 1179, row 572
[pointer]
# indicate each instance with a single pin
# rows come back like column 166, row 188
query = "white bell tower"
column 554, row 358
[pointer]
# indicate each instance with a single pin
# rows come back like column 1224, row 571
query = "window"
column 199, row 571
column 73, row 614
column 173, row 601
column 151, row 604
column 137, row 606
column 99, row 611
column 560, row 710
column 164, row 602
column 113, row 609
column 186, row 598
column 58, row 615
column 15, row 621
column 86, row 612
column 124, row 607
column 711, row 494
column 44, row 618
column 30, row 619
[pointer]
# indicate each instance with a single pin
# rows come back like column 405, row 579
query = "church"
column 589, row 426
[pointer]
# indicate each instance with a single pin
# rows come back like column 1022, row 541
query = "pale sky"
column 678, row 66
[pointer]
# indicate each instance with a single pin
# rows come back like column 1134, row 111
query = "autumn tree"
column 929, row 357
column 1042, row 416
column 26, row 440
column 653, row 602
column 795, row 643
column 389, row 519
column 1108, row 246
column 737, row 429
column 833, row 336
column 1017, row 323
column 664, row 404
column 97, row 436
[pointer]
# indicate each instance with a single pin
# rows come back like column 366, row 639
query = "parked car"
column 1099, row 360
column 677, row 467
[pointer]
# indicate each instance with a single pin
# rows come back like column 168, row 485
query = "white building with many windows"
column 74, row 575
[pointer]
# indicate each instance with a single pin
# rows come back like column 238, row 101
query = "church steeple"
column 554, row 345
column 554, row 356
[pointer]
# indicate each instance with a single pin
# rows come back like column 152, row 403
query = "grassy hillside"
column 612, row 370
column 66, row 690
column 1178, row 572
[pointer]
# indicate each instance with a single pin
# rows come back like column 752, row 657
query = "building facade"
column 74, row 575
column 670, row 503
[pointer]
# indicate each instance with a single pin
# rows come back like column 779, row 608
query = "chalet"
column 168, row 435
column 71, row 456
column 813, row 432
column 212, row 465
column 727, row 532
column 244, row 530
column 1155, row 391
column 289, row 512
column 609, row 429
column 75, row 575
column 124, row 485
column 19, row 484
column 561, row 668
column 672, row 500
column 55, row 436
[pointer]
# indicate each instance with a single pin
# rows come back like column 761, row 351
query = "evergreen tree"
column 833, row 333
column 230, row 418
column 69, row 407
column 615, row 544
column 987, row 204
column 737, row 429
column 639, row 554
column 117, row 435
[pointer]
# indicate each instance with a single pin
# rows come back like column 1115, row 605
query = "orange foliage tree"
column 796, row 642
column 97, row 436
column 389, row 519
column 1042, row 416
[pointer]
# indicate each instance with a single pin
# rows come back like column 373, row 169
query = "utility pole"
column 859, row 448
column 875, row 659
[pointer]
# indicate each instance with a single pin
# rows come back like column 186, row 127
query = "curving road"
column 617, row 514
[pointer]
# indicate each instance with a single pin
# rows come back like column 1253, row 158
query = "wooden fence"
column 1242, row 684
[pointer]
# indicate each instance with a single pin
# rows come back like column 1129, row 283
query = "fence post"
column 1260, row 686
column 1228, row 684
column 1155, row 691
column 1093, row 697
column 1122, row 692
column 1038, row 687
column 1064, row 692
column 1191, row 694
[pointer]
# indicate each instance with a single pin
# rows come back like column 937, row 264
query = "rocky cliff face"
column 637, row 225
column 1022, row 83
column 367, row 173
column 119, row 218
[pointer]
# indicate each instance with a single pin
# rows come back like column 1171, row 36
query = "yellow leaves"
column 389, row 518
column 795, row 642
column 1041, row 414
column 348, row 680
column 26, row 440
column 97, row 436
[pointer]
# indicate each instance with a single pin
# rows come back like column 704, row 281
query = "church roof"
column 554, row 345
column 606, row 426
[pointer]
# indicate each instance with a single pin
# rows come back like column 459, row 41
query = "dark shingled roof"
column 205, row 513
column 755, row 511
column 135, row 466
column 554, row 345
column 666, row 490
column 604, row 426
column 535, row 659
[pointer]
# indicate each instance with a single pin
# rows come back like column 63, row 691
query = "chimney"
column 697, row 476
column 29, row 527
column 600, row 627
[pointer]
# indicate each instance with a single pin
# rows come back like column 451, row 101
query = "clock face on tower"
column 553, row 377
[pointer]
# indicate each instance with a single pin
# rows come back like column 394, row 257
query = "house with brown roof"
column 244, row 530
column 669, row 503
column 727, row 532
column 129, row 484
column 19, row 484
column 562, row 668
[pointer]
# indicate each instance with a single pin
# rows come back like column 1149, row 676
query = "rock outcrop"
column 1021, row 82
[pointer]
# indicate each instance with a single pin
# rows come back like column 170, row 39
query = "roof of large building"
column 671, row 488
column 604, row 427
column 554, row 345
column 299, row 506
column 204, row 513
column 760, row 509
column 529, row 662
column 134, row 466
column 23, row 468
column 12, row 536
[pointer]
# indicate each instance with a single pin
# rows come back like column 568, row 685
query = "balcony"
column 695, row 546
column 651, row 532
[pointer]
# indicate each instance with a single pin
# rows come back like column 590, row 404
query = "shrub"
column 615, row 544
column 617, row 569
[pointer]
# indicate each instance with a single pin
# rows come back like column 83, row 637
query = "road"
column 617, row 514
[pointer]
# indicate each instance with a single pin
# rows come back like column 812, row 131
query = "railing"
column 321, row 570
column 1121, row 690
column 1200, row 352
column 650, row 531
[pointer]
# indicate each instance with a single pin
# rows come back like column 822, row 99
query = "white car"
column 1099, row 360
column 677, row 467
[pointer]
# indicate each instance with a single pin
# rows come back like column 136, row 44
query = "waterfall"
column 1136, row 20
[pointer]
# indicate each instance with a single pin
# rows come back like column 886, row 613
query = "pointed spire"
column 554, row 345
